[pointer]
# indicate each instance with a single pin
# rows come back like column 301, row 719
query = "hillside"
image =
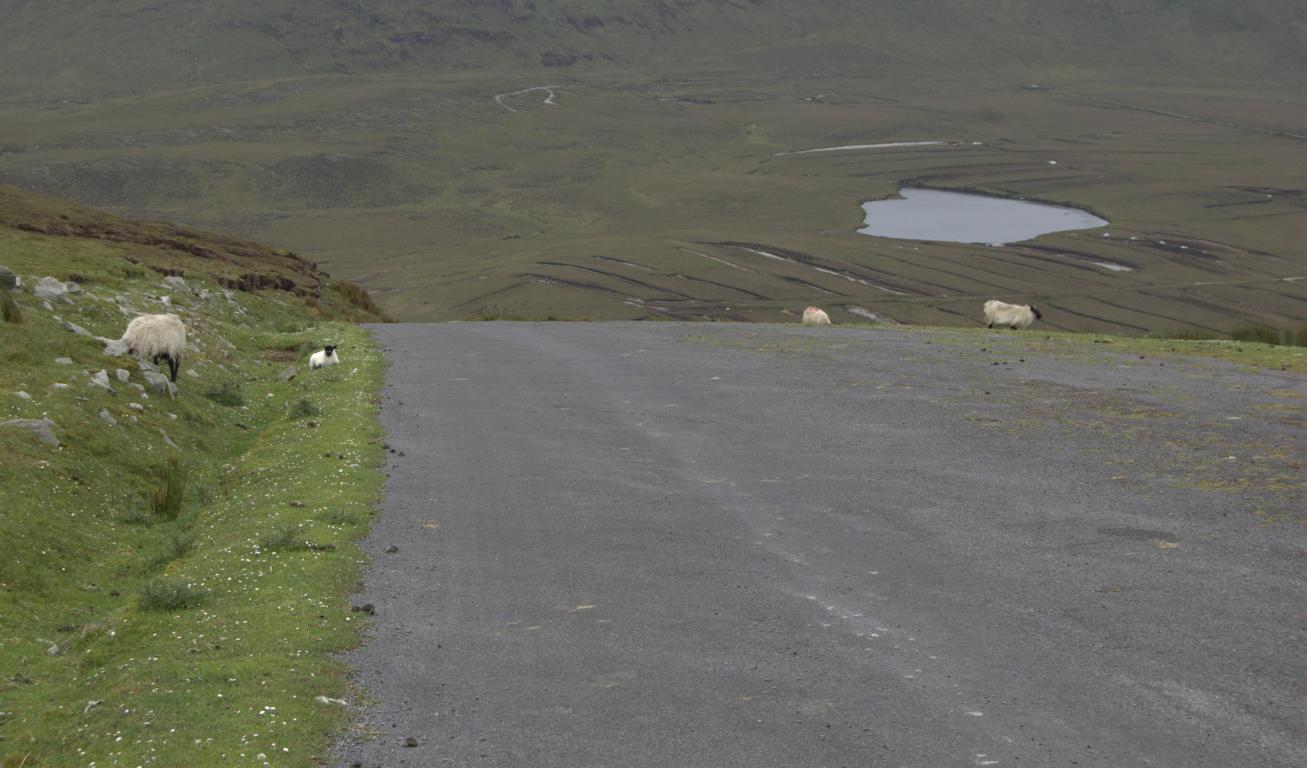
column 629, row 160
column 66, row 49
column 158, row 557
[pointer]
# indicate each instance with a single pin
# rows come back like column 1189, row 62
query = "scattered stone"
column 172, row 416
column 167, row 300
column 115, row 348
column 121, row 374
column 73, row 287
column 136, row 386
column 329, row 700
column 132, row 418
column 410, row 742
column 59, row 385
column 297, row 504
column 63, row 360
column 77, row 329
column 176, row 283
column 310, row 424
column 168, row 440
column 192, row 373
column 159, row 384
column 21, row 395
column 92, row 704
column 108, row 418
column 288, row 373
column 51, row 290
column 7, row 278
column 101, row 379
column 228, row 468
column 392, row 549
column 367, row 608
column 42, row 427
column 54, row 650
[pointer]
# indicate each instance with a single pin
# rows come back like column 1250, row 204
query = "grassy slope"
column 62, row 48
column 126, row 685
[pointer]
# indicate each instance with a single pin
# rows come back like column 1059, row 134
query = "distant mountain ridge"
column 87, row 48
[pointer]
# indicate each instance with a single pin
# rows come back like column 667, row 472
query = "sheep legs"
column 173, row 365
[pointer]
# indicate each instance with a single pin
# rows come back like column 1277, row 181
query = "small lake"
column 957, row 217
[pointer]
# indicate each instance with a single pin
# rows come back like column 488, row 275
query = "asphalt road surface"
column 733, row 545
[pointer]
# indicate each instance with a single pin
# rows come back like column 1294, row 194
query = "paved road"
column 731, row 545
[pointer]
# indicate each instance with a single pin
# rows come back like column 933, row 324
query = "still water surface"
column 957, row 217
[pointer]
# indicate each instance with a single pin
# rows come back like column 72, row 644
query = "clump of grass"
column 1256, row 332
column 12, row 312
column 227, row 393
column 285, row 538
column 1185, row 334
column 1296, row 337
column 337, row 517
column 355, row 294
column 166, row 498
column 175, row 547
column 135, row 517
column 171, row 594
column 304, row 409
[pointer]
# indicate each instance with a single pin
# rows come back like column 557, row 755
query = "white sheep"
column 324, row 357
column 1004, row 315
column 815, row 316
column 157, row 336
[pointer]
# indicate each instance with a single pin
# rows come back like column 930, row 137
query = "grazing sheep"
column 325, row 357
column 157, row 336
column 1003, row 315
column 815, row 316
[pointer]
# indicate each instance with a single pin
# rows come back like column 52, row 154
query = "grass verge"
column 141, row 621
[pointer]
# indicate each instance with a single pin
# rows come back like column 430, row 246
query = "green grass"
column 182, row 626
column 227, row 393
column 167, row 497
column 9, row 308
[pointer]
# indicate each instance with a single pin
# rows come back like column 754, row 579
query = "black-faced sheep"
column 815, row 316
column 1003, row 315
column 324, row 357
column 156, row 337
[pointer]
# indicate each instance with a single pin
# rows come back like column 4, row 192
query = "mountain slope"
column 75, row 48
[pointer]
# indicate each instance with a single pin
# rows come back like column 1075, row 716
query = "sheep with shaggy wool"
column 324, row 357
column 1000, row 314
column 815, row 316
column 156, row 337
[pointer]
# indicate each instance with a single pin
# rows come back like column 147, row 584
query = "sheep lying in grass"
column 815, row 316
column 155, row 337
column 1003, row 315
column 324, row 357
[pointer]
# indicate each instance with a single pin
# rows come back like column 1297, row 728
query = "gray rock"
column 7, row 278
column 158, row 383
column 122, row 374
column 135, row 386
column 44, row 429
column 133, row 418
column 115, row 348
column 45, row 304
column 73, row 288
column 167, row 300
column 192, row 373
column 101, row 379
column 21, row 395
column 108, row 418
column 168, row 440
column 51, row 289
column 136, row 406
column 64, row 360
column 77, row 329
column 59, row 385
column 176, row 283
column 287, row 374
